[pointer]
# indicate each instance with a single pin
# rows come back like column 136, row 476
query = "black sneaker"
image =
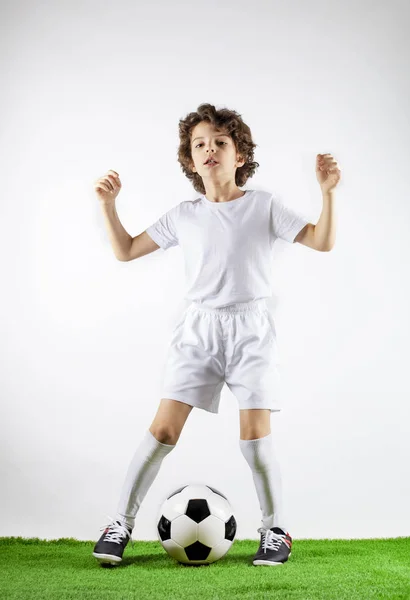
column 110, row 547
column 274, row 548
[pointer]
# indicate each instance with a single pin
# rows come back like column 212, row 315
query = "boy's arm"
column 141, row 245
column 306, row 236
column 322, row 235
column 125, row 246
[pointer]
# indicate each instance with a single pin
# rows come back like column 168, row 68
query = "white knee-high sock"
column 261, row 458
column 141, row 473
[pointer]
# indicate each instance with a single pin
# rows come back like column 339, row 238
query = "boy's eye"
column 220, row 142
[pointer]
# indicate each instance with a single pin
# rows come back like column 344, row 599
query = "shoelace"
column 270, row 540
column 116, row 532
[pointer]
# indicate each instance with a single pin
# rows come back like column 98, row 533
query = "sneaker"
column 275, row 547
column 110, row 547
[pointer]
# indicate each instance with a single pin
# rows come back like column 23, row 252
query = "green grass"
column 33, row 569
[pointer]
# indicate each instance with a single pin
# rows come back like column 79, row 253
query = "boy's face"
column 217, row 144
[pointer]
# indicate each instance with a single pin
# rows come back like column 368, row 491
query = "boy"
column 225, row 333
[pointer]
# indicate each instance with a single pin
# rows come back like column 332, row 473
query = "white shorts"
column 235, row 345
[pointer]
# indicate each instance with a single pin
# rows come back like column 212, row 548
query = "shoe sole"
column 268, row 563
column 107, row 558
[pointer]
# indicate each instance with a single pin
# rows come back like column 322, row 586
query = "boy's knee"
column 164, row 435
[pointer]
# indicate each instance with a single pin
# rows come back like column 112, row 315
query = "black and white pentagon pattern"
column 196, row 524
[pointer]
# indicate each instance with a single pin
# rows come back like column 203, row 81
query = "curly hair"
column 226, row 121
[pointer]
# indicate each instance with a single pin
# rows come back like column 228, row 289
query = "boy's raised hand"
column 108, row 187
column 327, row 172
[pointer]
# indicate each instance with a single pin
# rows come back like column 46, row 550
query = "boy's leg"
column 256, row 444
column 141, row 474
column 145, row 465
column 156, row 444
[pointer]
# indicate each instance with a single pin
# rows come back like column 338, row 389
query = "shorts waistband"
column 238, row 307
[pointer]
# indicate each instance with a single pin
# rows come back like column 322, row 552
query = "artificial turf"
column 64, row 569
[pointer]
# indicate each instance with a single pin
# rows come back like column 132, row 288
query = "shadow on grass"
column 163, row 561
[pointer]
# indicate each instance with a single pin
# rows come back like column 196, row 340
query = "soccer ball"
column 196, row 525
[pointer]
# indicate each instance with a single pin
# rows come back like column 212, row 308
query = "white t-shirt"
column 227, row 245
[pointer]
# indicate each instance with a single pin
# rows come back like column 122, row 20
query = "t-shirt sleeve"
column 285, row 222
column 164, row 231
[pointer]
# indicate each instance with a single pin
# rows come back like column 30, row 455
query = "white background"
column 91, row 87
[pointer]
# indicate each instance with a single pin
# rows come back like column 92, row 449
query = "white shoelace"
column 270, row 539
column 116, row 531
